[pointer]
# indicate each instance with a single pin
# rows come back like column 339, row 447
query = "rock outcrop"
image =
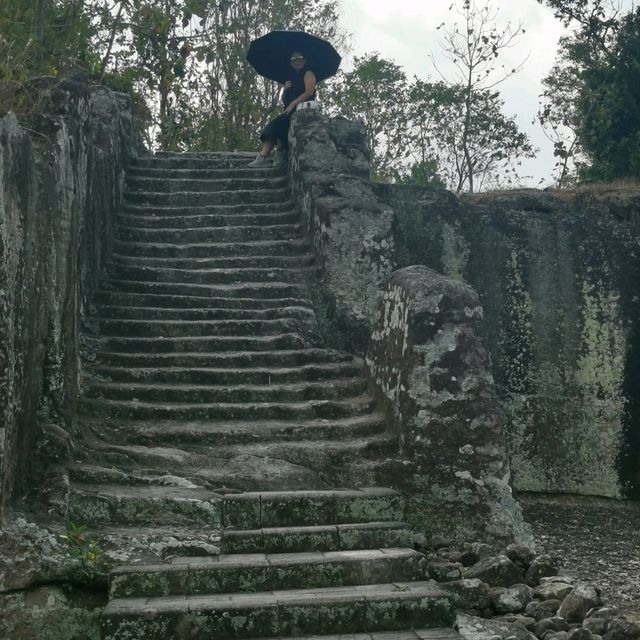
column 429, row 364
column 60, row 186
column 557, row 274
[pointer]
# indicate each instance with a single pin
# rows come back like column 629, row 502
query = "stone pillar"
column 430, row 366
column 61, row 182
column 351, row 230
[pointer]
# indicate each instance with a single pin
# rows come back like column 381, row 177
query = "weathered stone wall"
column 60, row 186
column 557, row 275
column 454, row 475
column 351, row 230
column 427, row 360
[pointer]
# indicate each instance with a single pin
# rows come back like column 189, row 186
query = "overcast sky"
column 405, row 32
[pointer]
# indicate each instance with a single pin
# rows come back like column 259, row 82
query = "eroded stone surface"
column 476, row 628
column 556, row 272
column 60, row 188
column 430, row 366
column 351, row 229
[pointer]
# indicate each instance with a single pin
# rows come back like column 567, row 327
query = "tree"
column 424, row 100
column 421, row 174
column 567, row 103
column 234, row 102
column 474, row 46
column 41, row 38
column 374, row 92
column 560, row 120
column 610, row 107
column 488, row 149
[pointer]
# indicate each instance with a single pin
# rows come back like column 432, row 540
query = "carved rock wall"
column 428, row 361
column 557, row 275
column 60, row 186
column 351, row 230
column 452, row 462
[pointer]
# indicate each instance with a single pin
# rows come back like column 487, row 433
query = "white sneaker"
column 281, row 160
column 260, row 161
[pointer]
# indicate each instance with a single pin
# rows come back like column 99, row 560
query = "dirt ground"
column 597, row 540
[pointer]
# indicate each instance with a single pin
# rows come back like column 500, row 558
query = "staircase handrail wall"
column 350, row 229
column 455, row 485
column 428, row 361
column 61, row 181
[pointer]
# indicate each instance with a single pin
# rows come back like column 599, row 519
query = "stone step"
column 173, row 221
column 308, row 410
column 253, row 290
column 290, row 247
column 207, row 276
column 184, row 328
column 212, row 376
column 221, row 160
column 208, row 344
column 146, row 504
column 155, row 543
column 237, row 573
column 230, row 359
column 169, row 184
column 122, row 312
column 339, row 462
column 223, row 434
column 203, row 173
column 328, row 610
column 232, row 262
column 191, row 198
column 206, row 394
column 121, row 504
column 261, row 466
column 210, row 234
column 437, row 633
column 340, row 537
column 259, row 510
column 174, row 211
column 181, row 301
column 245, row 209
column 89, row 473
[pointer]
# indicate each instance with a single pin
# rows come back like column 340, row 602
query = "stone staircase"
column 210, row 405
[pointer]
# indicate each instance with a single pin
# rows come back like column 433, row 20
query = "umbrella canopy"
column 269, row 55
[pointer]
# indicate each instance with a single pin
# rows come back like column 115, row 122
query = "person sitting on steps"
column 300, row 88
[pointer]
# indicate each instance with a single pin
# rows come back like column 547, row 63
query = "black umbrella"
column 269, row 55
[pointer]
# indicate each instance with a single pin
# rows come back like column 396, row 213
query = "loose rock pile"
column 518, row 595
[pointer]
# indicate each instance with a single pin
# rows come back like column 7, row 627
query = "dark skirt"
column 277, row 129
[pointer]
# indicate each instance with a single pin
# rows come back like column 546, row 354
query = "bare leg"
column 266, row 148
column 261, row 159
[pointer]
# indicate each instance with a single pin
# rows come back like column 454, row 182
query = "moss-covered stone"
column 557, row 277
column 60, row 188
column 429, row 364
column 51, row 613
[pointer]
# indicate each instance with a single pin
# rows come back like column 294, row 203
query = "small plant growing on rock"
column 85, row 550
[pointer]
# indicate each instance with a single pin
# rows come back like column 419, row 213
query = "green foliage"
column 468, row 136
column 49, row 36
column 86, row 550
column 590, row 103
column 473, row 45
column 429, row 133
column 421, row 174
column 41, row 38
column 375, row 92
column 610, row 108
column 183, row 60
